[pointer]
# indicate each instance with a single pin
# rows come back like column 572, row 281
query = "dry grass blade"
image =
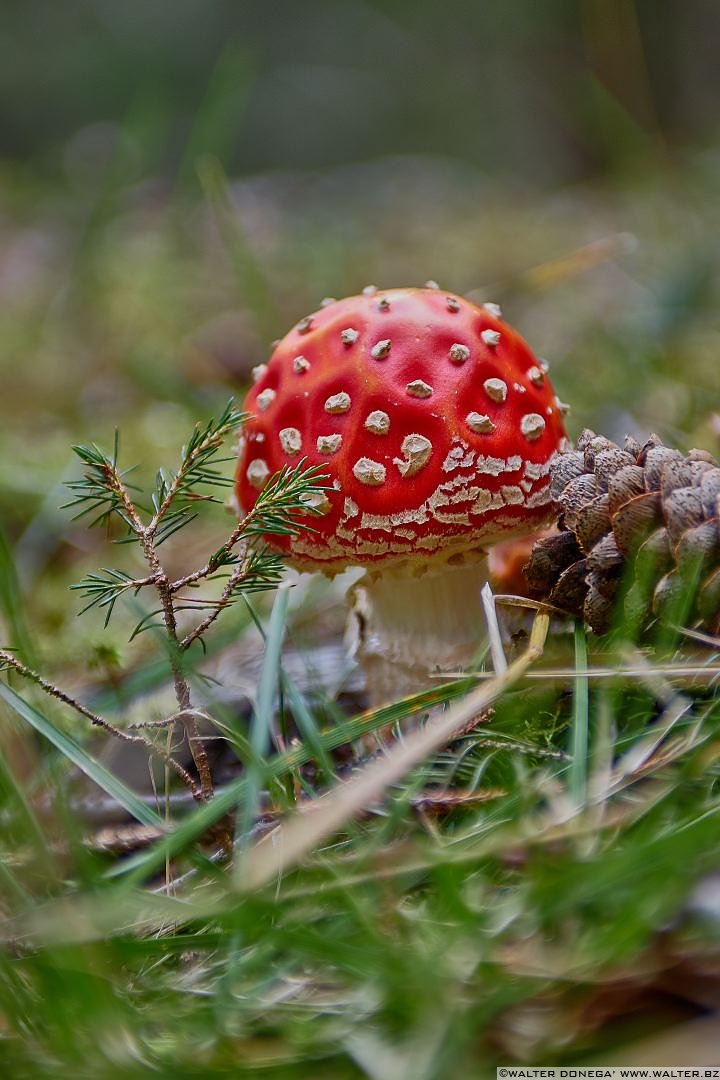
column 131, row 911
column 675, row 706
column 699, row 673
column 289, row 843
column 494, row 635
column 542, row 829
column 697, row 635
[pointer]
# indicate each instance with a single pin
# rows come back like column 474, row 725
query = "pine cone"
column 639, row 534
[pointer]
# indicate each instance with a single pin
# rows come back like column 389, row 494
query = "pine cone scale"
column 592, row 523
column 634, row 520
column 571, row 588
column 627, row 483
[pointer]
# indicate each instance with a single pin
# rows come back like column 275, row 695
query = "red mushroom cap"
column 433, row 418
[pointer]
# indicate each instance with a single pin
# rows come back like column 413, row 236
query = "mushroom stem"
column 407, row 624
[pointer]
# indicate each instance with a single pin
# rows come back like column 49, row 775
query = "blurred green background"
column 180, row 182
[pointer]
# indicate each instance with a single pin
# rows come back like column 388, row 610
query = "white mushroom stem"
column 408, row 624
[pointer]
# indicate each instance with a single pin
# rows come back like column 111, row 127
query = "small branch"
column 212, row 565
column 102, row 487
column 146, row 536
column 197, row 456
column 260, row 510
column 103, row 590
column 8, row 660
column 140, row 583
column 225, row 598
column 115, row 484
column 166, row 503
column 182, row 688
column 170, row 720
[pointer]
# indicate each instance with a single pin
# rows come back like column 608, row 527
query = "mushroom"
column 438, row 436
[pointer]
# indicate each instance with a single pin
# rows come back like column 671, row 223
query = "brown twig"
column 115, row 484
column 182, row 687
column 214, row 439
column 7, row 659
column 235, row 578
column 170, row 720
column 146, row 535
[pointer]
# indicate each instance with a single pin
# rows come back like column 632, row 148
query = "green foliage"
column 199, row 458
column 100, row 488
column 392, row 941
column 175, row 495
column 285, row 495
column 104, row 589
column 256, row 568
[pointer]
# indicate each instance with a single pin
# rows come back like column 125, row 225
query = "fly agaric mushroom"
column 437, row 426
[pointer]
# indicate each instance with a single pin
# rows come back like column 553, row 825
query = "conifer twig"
column 104, row 491
column 7, row 660
column 225, row 599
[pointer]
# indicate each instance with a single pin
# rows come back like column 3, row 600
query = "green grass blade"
column 153, row 673
column 11, row 603
column 11, row 886
column 261, row 727
column 75, row 753
column 14, row 799
column 577, row 779
column 196, row 823
column 306, row 724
